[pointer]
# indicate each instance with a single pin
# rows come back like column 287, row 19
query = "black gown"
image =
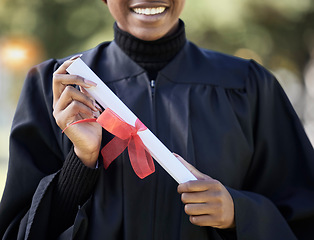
column 226, row 116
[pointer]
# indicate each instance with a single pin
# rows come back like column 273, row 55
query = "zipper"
column 152, row 86
column 153, row 92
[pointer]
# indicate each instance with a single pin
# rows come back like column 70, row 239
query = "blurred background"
column 277, row 34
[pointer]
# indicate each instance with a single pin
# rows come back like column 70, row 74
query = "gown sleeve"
column 45, row 178
column 277, row 198
column 34, row 153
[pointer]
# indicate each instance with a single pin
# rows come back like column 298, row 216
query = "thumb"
column 199, row 175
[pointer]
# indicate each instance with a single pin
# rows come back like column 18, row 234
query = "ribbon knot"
column 126, row 136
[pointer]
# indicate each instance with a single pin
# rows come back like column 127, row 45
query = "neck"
column 151, row 55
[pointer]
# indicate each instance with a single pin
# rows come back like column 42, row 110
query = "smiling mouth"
column 149, row 11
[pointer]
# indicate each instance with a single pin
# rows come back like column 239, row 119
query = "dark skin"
column 71, row 105
column 207, row 201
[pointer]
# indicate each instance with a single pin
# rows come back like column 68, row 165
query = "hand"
column 70, row 105
column 207, row 201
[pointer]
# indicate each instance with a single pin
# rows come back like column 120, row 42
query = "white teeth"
column 149, row 11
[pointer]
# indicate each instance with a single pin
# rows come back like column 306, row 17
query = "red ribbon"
column 125, row 137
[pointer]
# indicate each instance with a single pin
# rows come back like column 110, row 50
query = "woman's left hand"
column 206, row 200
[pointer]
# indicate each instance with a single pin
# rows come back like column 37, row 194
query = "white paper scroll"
column 106, row 98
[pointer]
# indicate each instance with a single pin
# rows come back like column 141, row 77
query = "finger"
column 62, row 71
column 191, row 168
column 200, row 197
column 61, row 81
column 72, row 94
column 99, row 108
column 199, row 186
column 76, row 57
column 63, row 67
column 85, row 92
column 192, row 186
column 68, row 79
column 66, row 64
column 205, row 220
column 196, row 209
column 74, row 112
column 77, row 108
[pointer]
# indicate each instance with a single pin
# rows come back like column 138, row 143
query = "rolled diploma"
column 107, row 99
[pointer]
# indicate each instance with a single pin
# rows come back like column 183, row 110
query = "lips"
column 149, row 8
column 149, row 11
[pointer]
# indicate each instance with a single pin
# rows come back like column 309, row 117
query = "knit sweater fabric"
column 151, row 55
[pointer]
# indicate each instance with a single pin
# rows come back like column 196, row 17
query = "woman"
column 226, row 116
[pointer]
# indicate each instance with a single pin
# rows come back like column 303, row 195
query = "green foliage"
column 63, row 27
column 280, row 33
column 275, row 32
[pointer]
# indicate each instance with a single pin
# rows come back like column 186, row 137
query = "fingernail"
column 98, row 107
column 76, row 57
column 96, row 114
column 91, row 83
column 95, row 109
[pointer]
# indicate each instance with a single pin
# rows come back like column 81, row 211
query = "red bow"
column 125, row 136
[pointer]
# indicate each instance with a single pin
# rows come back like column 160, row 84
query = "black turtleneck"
column 151, row 55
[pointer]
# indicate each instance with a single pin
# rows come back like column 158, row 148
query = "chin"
column 149, row 35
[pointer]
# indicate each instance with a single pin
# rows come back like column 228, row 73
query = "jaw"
column 152, row 31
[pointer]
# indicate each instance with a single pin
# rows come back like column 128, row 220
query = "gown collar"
column 191, row 65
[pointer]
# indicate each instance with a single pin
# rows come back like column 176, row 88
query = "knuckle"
column 68, row 89
column 220, row 204
column 220, row 221
column 58, row 122
column 55, row 78
column 88, row 100
column 215, row 182
column 54, row 114
column 216, row 185
column 219, row 217
column 220, row 210
column 78, row 107
column 57, row 119
column 75, row 105
column 77, row 78
column 189, row 186
column 54, row 104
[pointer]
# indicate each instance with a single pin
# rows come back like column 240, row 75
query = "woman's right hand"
column 71, row 104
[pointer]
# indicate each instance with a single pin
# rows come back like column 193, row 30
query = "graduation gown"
column 226, row 116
